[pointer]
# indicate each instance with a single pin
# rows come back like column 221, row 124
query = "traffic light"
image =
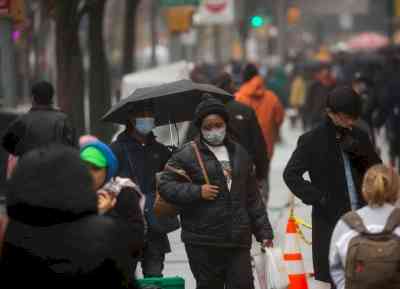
column 257, row 21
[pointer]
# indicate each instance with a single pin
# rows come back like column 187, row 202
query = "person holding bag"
column 219, row 204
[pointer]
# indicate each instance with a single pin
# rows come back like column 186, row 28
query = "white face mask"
column 214, row 137
column 144, row 125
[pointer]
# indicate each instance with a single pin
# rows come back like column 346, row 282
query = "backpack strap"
column 393, row 221
column 354, row 221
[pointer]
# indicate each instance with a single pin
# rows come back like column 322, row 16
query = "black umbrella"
column 173, row 102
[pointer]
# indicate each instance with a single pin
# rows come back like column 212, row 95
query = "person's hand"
column 105, row 201
column 267, row 243
column 209, row 192
column 260, row 185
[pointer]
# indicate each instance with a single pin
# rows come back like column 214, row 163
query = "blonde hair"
column 380, row 186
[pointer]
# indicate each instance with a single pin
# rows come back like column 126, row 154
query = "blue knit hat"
column 112, row 161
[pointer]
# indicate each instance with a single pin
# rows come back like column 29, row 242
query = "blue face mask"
column 144, row 125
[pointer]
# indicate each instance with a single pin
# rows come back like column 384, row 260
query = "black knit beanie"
column 209, row 105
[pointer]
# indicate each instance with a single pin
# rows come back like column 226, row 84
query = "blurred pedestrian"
column 364, row 86
column 243, row 127
column 322, row 85
column 366, row 231
column 270, row 112
column 140, row 157
column 55, row 238
column 297, row 95
column 278, row 82
column 389, row 110
column 336, row 156
column 42, row 125
column 221, row 207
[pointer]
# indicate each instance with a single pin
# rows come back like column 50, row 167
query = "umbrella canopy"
column 367, row 41
column 173, row 102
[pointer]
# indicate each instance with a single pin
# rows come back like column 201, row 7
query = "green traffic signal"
column 257, row 21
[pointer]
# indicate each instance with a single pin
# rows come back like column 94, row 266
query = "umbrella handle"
column 171, row 134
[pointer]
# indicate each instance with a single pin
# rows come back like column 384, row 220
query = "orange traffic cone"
column 293, row 257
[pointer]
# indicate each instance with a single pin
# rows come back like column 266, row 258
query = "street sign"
column 179, row 19
column 215, row 12
column 329, row 7
column 169, row 3
column 4, row 7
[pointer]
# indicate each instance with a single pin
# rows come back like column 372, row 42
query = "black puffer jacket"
column 55, row 239
column 231, row 219
column 42, row 125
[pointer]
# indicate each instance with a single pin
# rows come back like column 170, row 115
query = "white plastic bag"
column 260, row 264
column 276, row 272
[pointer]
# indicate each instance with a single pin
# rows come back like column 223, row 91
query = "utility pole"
column 154, row 30
column 8, row 73
column 217, row 43
column 281, row 7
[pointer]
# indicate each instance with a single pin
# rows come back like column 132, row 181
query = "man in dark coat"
column 336, row 156
column 55, row 238
column 243, row 128
column 140, row 157
column 42, row 125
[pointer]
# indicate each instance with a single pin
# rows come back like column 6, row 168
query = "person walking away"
column 336, row 156
column 42, row 125
column 270, row 112
column 140, row 157
column 117, row 197
column 55, row 238
column 365, row 246
column 315, row 102
column 221, row 207
column 243, row 127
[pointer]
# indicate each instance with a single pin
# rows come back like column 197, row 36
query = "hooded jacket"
column 268, row 108
column 55, row 237
column 234, row 216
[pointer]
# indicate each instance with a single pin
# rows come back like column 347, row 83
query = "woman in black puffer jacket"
column 219, row 218
column 54, row 238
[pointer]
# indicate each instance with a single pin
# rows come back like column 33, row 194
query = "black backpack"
column 373, row 260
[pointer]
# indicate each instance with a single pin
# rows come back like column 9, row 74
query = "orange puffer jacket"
column 269, row 110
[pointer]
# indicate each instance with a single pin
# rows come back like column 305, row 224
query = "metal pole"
column 153, row 28
column 8, row 73
column 281, row 13
column 175, row 47
column 217, row 44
